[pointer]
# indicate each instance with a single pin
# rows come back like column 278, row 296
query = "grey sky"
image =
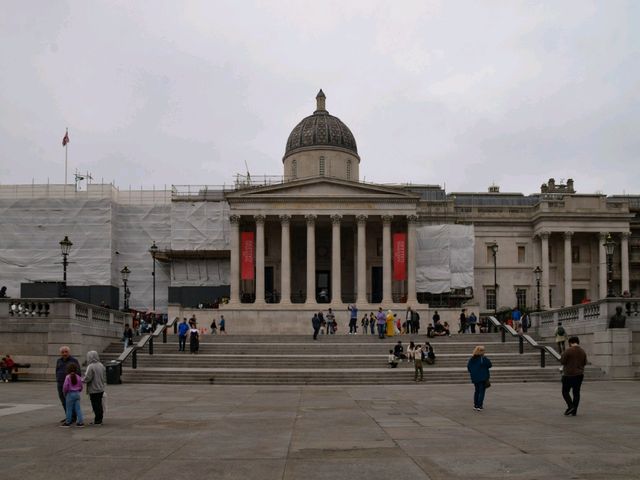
column 456, row 93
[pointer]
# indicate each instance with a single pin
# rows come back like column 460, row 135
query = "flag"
column 399, row 256
column 65, row 139
column 247, row 255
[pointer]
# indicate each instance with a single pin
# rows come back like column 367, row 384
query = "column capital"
column 336, row 219
column 568, row 235
column 311, row 219
column 387, row 219
column 412, row 218
column 234, row 219
column 259, row 219
column 285, row 219
column 544, row 235
column 625, row 235
column 361, row 219
column 603, row 236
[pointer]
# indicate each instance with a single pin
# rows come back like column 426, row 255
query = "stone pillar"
column 624, row 261
column 568, row 270
column 412, row 298
column 234, row 270
column 544, row 294
column 613, row 352
column 336, row 285
column 311, row 259
column 285, row 260
column 361, row 297
column 387, row 275
column 259, row 258
column 602, row 266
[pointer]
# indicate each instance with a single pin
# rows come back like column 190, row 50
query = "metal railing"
column 146, row 339
column 504, row 329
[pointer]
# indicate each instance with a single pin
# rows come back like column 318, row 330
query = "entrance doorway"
column 376, row 284
column 323, row 286
column 270, row 294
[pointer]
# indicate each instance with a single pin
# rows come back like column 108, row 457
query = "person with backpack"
column 561, row 337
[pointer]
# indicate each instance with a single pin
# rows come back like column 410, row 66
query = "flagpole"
column 66, row 146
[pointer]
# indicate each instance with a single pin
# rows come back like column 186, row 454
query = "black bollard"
column 503, row 333
column 521, row 345
column 164, row 335
column 134, row 359
column 151, row 345
column 543, row 359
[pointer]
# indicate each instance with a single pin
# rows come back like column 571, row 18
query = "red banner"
column 247, row 249
column 399, row 256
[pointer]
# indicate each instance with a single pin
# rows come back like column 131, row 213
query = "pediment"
column 323, row 188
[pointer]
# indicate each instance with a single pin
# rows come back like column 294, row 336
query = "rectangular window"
column 322, row 167
column 490, row 299
column 522, row 254
column 550, row 298
column 575, row 254
column 521, row 298
column 489, row 255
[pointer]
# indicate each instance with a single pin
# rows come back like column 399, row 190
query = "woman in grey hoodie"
column 95, row 377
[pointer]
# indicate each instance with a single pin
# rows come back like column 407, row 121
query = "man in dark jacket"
column 61, row 372
column 573, row 361
column 315, row 323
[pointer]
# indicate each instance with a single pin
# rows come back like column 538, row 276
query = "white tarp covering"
column 444, row 257
column 200, row 272
column 200, row 225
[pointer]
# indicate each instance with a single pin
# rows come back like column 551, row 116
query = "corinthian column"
column 624, row 261
column 234, row 281
column 568, row 270
column 259, row 258
column 361, row 297
column 544, row 240
column 602, row 265
column 336, row 286
column 311, row 259
column 285, row 262
column 412, row 298
column 387, row 297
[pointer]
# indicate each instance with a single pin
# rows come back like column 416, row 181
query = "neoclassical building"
column 319, row 237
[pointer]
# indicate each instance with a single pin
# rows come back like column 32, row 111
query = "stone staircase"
column 331, row 360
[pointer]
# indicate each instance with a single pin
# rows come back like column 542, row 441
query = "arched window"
column 322, row 167
column 348, row 169
column 294, row 168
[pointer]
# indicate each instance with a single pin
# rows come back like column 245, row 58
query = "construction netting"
column 444, row 257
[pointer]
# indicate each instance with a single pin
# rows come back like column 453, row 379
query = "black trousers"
column 315, row 332
column 572, row 384
column 182, row 342
column 96, row 405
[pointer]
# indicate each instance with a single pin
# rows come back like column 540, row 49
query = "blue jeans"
column 72, row 400
column 380, row 330
column 478, row 396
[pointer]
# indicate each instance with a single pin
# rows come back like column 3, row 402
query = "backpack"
column 561, row 331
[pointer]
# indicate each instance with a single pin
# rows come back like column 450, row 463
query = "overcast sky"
column 462, row 94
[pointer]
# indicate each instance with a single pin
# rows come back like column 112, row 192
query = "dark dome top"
column 321, row 129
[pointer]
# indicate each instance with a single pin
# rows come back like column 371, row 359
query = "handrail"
column 148, row 338
column 509, row 329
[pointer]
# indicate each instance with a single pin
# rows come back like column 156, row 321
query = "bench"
column 16, row 370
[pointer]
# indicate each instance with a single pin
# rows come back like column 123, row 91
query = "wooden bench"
column 16, row 370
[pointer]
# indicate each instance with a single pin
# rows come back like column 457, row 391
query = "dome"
column 321, row 130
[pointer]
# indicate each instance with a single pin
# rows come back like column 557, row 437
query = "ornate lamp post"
column 609, row 247
column 537, row 272
column 494, row 250
column 127, row 293
column 65, row 247
column 153, row 250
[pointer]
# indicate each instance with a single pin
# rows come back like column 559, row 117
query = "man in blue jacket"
column 61, row 372
column 183, row 329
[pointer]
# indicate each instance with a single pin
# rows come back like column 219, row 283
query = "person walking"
column 436, row 320
column 381, row 321
column 62, row 364
column 213, row 327
column 417, row 364
column 71, row 388
column 194, row 339
column 222, row 325
column 463, row 321
column 561, row 337
column 183, row 330
column 573, row 361
column 127, row 336
column 315, row 323
column 478, row 367
column 408, row 319
column 353, row 320
column 329, row 318
column 372, row 323
column 364, row 323
column 95, row 377
column 472, row 321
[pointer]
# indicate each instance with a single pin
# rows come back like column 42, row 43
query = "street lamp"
column 65, row 247
column 609, row 247
column 153, row 250
column 127, row 293
column 494, row 250
column 537, row 273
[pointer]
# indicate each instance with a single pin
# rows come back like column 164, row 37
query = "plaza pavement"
column 378, row 432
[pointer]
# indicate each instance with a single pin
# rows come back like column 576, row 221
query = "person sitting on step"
column 392, row 360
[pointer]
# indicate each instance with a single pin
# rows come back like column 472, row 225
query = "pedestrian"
column 194, row 339
column 61, row 373
column 463, row 321
column 223, row 325
column 526, row 322
column 95, row 377
column 315, row 323
column 364, row 323
column 417, row 364
column 5, row 374
column 183, row 330
column 372, row 323
column 478, row 367
column 381, row 321
column 408, row 318
column 472, row 321
column 416, row 322
column 392, row 361
column 127, row 336
column 561, row 337
column 573, row 361
column 213, row 327
column 71, row 389
column 429, row 354
column 329, row 318
column 398, row 351
column 353, row 320
column 390, row 329
column 516, row 316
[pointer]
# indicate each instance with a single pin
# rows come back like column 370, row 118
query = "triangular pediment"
column 325, row 188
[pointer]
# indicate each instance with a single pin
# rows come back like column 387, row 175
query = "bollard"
column 151, row 345
column 503, row 334
column 543, row 359
column 175, row 328
column 134, row 359
column 164, row 335
column 521, row 345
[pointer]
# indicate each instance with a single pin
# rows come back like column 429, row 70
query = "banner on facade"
column 399, row 256
column 247, row 247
